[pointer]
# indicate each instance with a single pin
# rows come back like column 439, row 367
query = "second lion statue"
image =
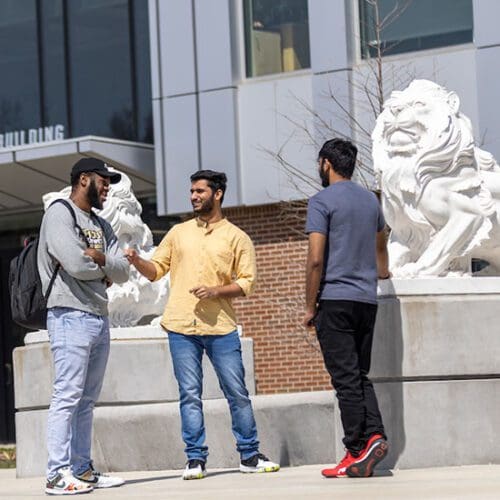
column 440, row 193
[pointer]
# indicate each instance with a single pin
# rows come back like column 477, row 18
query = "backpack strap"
column 52, row 280
column 67, row 204
column 99, row 221
column 82, row 234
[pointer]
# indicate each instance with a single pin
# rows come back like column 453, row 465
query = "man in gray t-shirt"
column 90, row 259
column 347, row 253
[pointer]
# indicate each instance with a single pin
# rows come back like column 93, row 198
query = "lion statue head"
column 421, row 127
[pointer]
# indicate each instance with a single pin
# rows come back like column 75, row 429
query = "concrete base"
column 139, row 371
column 295, row 429
column 435, row 368
column 429, row 424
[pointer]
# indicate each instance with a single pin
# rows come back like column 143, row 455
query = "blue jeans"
column 80, row 347
column 224, row 351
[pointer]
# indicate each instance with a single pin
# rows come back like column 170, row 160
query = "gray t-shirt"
column 80, row 282
column 350, row 216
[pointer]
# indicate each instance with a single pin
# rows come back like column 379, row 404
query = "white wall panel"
column 486, row 14
column 213, row 44
column 160, row 171
column 327, row 35
column 456, row 70
column 153, row 48
column 272, row 119
column 489, row 102
column 181, row 150
column 176, row 43
column 218, row 132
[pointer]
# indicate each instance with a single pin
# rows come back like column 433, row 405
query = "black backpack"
column 28, row 304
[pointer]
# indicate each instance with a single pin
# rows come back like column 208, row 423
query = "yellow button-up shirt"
column 197, row 253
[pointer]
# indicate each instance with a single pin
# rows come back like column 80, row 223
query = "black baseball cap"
column 87, row 165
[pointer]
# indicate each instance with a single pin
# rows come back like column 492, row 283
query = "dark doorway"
column 11, row 336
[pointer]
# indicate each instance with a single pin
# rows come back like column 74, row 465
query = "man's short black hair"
column 341, row 154
column 215, row 180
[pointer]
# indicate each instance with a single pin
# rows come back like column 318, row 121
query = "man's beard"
column 324, row 176
column 93, row 195
column 206, row 206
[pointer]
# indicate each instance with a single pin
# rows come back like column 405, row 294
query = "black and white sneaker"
column 195, row 469
column 98, row 479
column 258, row 463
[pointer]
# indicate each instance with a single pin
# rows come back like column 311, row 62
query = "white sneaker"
column 99, row 480
column 64, row 483
column 195, row 469
column 258, row 463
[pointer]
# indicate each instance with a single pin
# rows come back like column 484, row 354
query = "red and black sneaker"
column 340, row 469
column 374, row 452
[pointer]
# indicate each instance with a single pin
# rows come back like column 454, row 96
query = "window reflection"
column 414, row 25
column 19, row 89
column 53, row 67
column 100, row 72
column 277, row 36
column 79, row 66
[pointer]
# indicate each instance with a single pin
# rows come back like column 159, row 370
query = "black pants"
column 345, row 333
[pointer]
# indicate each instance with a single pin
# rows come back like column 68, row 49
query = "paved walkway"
column 468, row 482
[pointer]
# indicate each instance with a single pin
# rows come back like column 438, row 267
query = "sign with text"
column 31, row 136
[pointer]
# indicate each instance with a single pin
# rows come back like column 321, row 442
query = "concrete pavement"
column 480, row 482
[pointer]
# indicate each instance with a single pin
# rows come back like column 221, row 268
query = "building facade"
column 161, row 88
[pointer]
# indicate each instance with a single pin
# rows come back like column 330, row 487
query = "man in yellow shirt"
column 210, row 261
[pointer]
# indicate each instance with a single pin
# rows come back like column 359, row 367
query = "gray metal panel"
column 331, row 96
column 257, row 117
column 271, row 121
column 486, row 15
column 454, row 68
column 161, row 193
column 175, row 24
column 6, row 157
column 488, row 102
column 181, row 150
column 218, row 131
column 9, row 202
column 28, row 172
column 137, row 158
column 27, row 184
column 154, row 48
column 213, row 44
column 46, row 151
column 294, row 125
column 327, row 35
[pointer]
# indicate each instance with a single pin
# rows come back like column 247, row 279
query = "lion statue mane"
column 138, row 298
column 440, row 193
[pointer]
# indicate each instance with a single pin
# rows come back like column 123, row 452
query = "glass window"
column 142, row 72
column 414, row 25
column 19, row 68
column 73, row 68
column 100, row 68
column 53, row 67
column 277, row 36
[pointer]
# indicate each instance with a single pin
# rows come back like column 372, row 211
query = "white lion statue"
column 137, row 298
column 440, row 193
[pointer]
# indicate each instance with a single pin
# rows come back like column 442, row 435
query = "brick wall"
column 287, row 356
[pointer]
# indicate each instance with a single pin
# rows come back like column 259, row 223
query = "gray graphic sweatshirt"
column 80, row 282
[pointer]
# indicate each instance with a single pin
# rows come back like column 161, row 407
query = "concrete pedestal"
column 435, row 366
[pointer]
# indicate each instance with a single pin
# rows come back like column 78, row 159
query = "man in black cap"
column 86, row 249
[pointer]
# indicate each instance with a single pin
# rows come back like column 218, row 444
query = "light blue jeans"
column 80, row 347
column 224, row 351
